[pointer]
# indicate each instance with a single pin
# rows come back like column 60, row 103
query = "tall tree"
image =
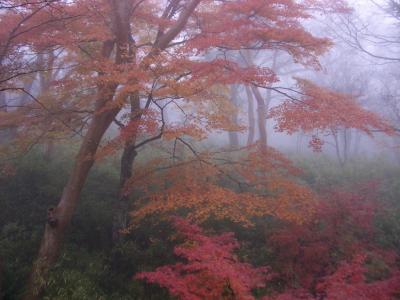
column 59, row 217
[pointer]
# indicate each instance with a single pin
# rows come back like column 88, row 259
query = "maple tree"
column 330, row 256
column 319, row 111
column 342, row 226
column 211, row 270
column 345, row 79
column 263, row 105
column 348, row 282
column 256, row 184
column 125, row 61
column 327, row 256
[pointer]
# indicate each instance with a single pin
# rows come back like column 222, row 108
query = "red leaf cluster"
column 211, row 270
column 349, row 282
column 327, row 256
column 322, row 111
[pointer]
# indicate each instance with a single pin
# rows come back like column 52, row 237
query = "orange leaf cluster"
column 254, row 185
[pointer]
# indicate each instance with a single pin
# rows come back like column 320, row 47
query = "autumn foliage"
column 256, row 184
column 341, row 227
column 76, row 70
column 332, row 256
column 210, row 271
column 349, row 281
column 329, row 257
column 320, row 111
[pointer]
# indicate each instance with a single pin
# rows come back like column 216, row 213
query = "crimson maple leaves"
column 328, row 257
column 212, row 271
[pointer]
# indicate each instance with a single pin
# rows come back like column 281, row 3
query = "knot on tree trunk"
column 51, row 217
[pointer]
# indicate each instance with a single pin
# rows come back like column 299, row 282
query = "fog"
column 362, row 62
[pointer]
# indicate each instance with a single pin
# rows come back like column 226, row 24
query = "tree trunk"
column 129, row 153
column 121, row 208
column 261, row 116
column 45, row 79
column 262, row 105
column 233, row 134
column 337, row 148
column 250, row 112
column 346, row 144
column 299, row 143
column 3, row 107
column 3, row 101
column 357, row 141
column 59, row 218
